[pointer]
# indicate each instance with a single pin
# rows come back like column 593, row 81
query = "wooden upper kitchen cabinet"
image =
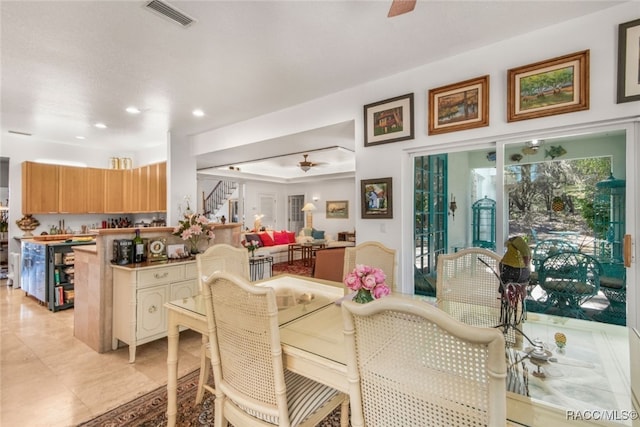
column 95, row 193
column 157, row 187
column 72, row 189
column 140, row 189
column 117, row 192
column 39, row 188
column 51, row 189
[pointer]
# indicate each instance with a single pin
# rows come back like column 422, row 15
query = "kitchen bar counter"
column 93, row 314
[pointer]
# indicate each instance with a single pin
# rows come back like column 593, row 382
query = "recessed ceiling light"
column 198, row 113
column 133, row 110
column 80, row 137
column 100, row 125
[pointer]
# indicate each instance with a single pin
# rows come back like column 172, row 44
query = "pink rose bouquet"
column 368, row 281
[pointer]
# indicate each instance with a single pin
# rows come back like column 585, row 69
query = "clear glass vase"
column 363, row 296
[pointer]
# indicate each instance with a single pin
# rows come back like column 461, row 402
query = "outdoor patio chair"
column 613, row 284
column 252, row 386
column 220, row 257
column 569, row 279
column 373, row 254
column 411, row 364
column 542, row 250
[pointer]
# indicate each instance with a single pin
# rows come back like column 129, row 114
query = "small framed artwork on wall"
column 629, row 61
column 459, row 106
column 337, row 209
column 555, row 86
column 377, row 198
column 390, row 120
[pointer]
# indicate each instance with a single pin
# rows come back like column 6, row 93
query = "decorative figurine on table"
column 514, row 277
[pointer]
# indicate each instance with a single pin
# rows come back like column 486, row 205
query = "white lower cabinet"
column 139, row 294
column 151, row 319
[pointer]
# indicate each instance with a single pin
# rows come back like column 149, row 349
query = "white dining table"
column 313, row 346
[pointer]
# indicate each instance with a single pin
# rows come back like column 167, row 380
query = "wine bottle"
column 138, row 247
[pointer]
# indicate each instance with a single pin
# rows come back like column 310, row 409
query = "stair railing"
column 216, row 198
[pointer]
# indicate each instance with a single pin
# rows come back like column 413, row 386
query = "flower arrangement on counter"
column 194, row 228
column 370, row 282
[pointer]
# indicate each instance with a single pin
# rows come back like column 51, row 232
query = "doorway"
column 430, row 219
column 295, row 215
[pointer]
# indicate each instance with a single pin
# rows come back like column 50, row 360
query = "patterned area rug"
column 150, row 410
column 296, row 268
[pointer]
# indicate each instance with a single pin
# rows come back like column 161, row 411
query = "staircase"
column 218, row 197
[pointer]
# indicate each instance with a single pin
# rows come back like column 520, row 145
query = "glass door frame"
column 632, row 128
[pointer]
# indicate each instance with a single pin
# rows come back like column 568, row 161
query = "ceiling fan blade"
column 398, row 7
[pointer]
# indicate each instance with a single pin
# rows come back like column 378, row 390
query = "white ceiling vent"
column 164, row 9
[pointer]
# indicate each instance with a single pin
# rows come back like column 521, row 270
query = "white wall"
column 597, row 32
column 330, row 190
column 338, row 189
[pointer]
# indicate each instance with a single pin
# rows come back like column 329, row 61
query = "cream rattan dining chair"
column 220, row 257
column 374, row 254
column 252, row 386
column 468, row 284
column 411, row 364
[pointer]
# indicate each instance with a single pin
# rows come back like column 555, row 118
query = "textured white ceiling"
column 67, row 65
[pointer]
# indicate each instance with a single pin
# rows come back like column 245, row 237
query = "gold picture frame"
column 629, row 61
column 546, row 88
column 390, row 120
column 337, row 209
column 459, row 106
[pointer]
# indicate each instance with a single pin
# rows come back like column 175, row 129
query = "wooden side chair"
column 220, row 257
column 329, row 264
column 252, row 386
column 411, row 364
column 374, row 254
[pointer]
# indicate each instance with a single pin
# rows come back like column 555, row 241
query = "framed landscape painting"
column 338, row 209
column 376, row 195
column 629, row 61
column 390, row 120
column 459, row 106
column 555, row 86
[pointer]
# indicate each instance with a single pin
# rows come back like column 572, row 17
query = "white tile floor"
column 49, row 378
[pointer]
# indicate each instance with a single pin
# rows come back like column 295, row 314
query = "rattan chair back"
column 246, row 355
column 223, row 257
column 469, row 276
column 468, row 288
column 374, row 254
column 220, row 257
column 412, row 364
